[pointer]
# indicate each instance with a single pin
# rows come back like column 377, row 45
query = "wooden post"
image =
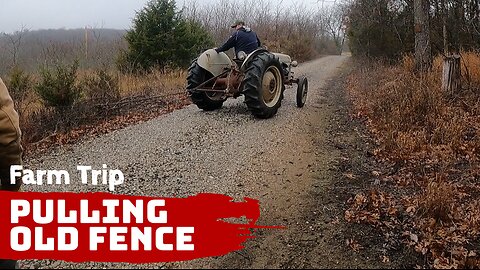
column 451, row 82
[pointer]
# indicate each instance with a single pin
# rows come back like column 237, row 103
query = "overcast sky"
column 52, row 14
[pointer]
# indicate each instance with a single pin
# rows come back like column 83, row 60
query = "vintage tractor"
column 260, row 76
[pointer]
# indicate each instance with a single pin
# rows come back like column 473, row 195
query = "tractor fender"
column 250, row 57
column 214, row 62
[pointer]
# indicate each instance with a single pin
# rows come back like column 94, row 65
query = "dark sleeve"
column 259, row 42
column 228, row 45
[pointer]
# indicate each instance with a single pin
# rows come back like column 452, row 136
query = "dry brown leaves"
column 432, row 203
column 376, row 208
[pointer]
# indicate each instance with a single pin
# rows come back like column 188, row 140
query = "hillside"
column 29, row 49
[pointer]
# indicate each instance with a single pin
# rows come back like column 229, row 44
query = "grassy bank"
column 430, row 195
column 104, row 101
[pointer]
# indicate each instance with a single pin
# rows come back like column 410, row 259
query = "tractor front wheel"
column 302, row 90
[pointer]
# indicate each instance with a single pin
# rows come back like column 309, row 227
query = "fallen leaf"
column 385, row 259
column 354, row 245
column 414, row 237
column 350, row 176
column 411, row 209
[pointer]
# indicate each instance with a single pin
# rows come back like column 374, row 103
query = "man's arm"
column 228, row 45
column 10, row 147
column 258, row 41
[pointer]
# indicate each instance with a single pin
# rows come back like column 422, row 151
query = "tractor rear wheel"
column 204, row 100
column 263, row 85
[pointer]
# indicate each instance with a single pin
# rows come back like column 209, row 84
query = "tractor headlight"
column 294, row 64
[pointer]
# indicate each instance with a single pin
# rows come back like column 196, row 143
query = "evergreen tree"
column 162, row 37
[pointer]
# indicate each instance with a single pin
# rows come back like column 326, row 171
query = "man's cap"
column 237, row 23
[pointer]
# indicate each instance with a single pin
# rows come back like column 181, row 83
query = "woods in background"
column 385, row 28
column 301, row 31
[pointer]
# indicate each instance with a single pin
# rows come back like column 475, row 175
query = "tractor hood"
column 284, row 58
column 214, row 62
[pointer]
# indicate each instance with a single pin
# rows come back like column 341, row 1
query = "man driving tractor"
column 244, row 39
column 256, row 73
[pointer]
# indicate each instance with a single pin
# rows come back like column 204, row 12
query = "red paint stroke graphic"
column 102, row 227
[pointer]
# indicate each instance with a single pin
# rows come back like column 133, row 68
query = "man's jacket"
column 244, row 39
column 10, row 134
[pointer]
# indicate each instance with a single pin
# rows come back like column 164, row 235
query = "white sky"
column 53, row 14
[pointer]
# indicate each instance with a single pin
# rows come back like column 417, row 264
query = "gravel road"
column 227, row 151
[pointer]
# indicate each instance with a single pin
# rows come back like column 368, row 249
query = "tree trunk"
column 445, row 33
column 423, row 50
column 451, row 82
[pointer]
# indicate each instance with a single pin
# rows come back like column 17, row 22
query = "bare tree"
column 333, row 21
column 423, row 50
column 15, row 43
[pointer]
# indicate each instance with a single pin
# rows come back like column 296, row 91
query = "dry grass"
column 139, row 94
column 471, row 69
column 158, row 82
column 412, row 113
column 436, row 136
column 438, row 200
column 166, row 82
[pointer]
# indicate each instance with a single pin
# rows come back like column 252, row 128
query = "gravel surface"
column 190, row 151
